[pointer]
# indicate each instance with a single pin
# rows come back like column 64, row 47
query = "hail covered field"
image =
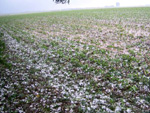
column 76, row 61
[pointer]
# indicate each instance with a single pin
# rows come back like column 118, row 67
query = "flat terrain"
column 76, row 61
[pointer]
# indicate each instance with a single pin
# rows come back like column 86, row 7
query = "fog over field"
column 26, row 6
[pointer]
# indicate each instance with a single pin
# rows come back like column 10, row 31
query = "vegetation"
column 3, row 62
column 76, row 61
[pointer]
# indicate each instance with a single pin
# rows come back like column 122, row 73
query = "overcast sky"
column 26, row 6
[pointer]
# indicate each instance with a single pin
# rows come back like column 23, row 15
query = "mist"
column 27, row 6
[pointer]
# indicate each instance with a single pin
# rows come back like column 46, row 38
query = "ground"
column 76, row 61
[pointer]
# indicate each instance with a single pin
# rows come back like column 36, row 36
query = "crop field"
column 83, row 61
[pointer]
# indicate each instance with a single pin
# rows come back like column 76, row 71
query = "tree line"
column 62, row 1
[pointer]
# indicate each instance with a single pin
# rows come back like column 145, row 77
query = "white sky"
column 25, row 6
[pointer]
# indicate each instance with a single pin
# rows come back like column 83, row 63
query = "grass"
column 77, row 61
column 3, row 57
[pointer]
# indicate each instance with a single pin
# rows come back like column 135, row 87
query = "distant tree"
column 117, row 4
column 62, row 1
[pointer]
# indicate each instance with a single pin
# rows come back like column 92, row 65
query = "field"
column 88, row 61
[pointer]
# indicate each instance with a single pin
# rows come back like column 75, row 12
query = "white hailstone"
column 118, row 108
column 94, row 106
column 71, row 110
column 43, row 71
column 103, row 107
column 113, row 85
column 95, row 101
column 95, row 79
column 102, row 101
column 108, row 90
column 120, row 86
column 31, row 106
column 127, row 103
column 59, row 108
column 54, row 100
column 129, row 110
column 33, row 85
column 142, row 101
column 50, row 68
column 81, row 83
column 146, row 88
column 109, row 110
column 20, row 111
column 61, row 75
column 138, row 98
column 42, row 90
column 88, row 108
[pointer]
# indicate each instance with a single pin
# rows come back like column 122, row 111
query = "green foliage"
column 3, row 56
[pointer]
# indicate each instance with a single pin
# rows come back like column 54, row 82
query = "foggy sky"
column 26, row 6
